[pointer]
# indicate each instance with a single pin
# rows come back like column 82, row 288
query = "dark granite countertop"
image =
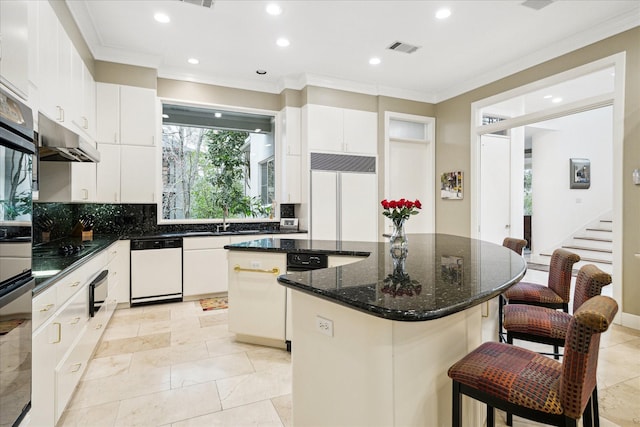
column 442, row 274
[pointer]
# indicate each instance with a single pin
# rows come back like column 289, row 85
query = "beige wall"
column 453, row 150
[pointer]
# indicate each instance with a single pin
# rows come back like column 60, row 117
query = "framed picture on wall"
column 451, row 185
column 579, row 173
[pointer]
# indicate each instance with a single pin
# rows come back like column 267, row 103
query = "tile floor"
column 176, row 365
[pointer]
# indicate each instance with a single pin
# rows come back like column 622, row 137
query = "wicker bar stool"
column 524, row 383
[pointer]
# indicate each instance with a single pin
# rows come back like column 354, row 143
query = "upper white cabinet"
column 67, row 182
column 126, row 114
column 14, row 46
column 108, row 174
column 289, row 128
column 137, row 174
column 341, row 129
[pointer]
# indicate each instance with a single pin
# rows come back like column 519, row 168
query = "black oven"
column 16, row 283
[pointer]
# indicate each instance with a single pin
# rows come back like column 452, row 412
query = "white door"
column 324, row 205
column 495, row 188
column 410, row 177
column 359, row 211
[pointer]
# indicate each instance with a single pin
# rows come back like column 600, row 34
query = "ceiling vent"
column 403, row 47
column 204, row 3
column 537, row 4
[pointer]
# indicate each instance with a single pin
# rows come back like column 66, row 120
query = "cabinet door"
column 291, row 130
column 108, row 174
column 43, row 365
column 324, row 205
column 324, row 128
column 291, row 186
column 83, row 182
column 108, row 113
column 88, row 110
column 47, row 59
column 14, row 46
column 205, row 271
column 359, row 207
column 65, row 103
column 360, row 132
column 137, row 174
column 137, row 116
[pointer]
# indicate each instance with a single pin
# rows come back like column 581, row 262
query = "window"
column 216, row 164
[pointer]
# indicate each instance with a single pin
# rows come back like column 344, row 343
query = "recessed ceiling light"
column 165, row 116
column 556, row 100
column 443, row 13
column 282, row 42
column 274, row 9
column 218, row 115
column 261, row 72
column 162, row 17
column 374, row 61
column 258, row 130
column 548, row 96
column 193, row 61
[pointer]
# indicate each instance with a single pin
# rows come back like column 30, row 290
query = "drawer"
column 69, row 372
column 44, row 305
column 72, row 320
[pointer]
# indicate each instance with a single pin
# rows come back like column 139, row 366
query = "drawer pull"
column 74, row 284
column 47, row 307
column 75, row 321
column 76, row 367
column 274, row 270
column 59, row 332
column 99, row 326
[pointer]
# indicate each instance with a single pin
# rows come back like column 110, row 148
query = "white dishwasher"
column 156, row 270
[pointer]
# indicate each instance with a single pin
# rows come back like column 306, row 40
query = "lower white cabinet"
column 119, row 271
column 64, row 338
column 204, row 265
column 257, row 302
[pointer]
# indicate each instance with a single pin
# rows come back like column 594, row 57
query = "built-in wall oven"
column 16, row 283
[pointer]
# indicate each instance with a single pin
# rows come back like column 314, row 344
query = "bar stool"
column 524, row 383
column 516, row 245
column 548, row 326
column 555, row 295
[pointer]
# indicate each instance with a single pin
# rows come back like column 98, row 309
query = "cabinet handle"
column 85, row 194
column 115, row 197
column 115, row 137
column 47, row 307
column 60, row 113
column 59, row 332
column 75, row 321
column 74, row 284
column 274, row 270
column 86, row 122
column 76, row 367
column 99, row 326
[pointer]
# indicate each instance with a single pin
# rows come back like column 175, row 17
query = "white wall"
column 559, row 211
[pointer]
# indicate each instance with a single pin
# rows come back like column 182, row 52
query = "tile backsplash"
column 119, row 219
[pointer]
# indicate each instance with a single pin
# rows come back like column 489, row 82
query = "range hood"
column 59, row 144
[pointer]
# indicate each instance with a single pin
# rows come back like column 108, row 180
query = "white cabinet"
column 67, row 181
column 257, row 303
column 108, row 174
column 204, row 265
column 14, row 46
column 126, row 114
column 290, row 165
column 119, row 271
column 341, row 129
column 137, row 174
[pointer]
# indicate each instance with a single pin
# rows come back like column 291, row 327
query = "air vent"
column 537, row 4
column 342, row 163
column 204, row 3
column 403, row 47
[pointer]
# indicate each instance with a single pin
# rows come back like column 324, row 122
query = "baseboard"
column 630, row 320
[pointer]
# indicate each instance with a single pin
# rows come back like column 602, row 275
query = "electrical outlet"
column 255, row 264
column 324, row 326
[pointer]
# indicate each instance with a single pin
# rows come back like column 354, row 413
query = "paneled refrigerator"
column 344, row 198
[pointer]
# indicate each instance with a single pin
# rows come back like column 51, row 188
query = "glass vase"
column 399, row 245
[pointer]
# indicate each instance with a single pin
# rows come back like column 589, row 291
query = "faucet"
column 224, row 225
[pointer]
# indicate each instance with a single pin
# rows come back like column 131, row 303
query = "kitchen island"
column 373, row 340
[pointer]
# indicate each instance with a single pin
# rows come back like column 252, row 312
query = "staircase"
column 594, row 244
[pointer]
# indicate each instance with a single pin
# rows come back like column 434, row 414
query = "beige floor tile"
column 95, row 416
column 284, row 409
column 265, row 358
column 168, row 356
column 261, row 414
column 138, row 315
column 183, row 323
column 169, row 406
column 210, row 369
column 250, row 388
column 199, row 334
column 131, row 345
column 228, row 345
column 107, row 366
column 618, row 363
column 617, row 334
column 621, row 403
column 118, row 387
column 214, row 317
column 121, row 330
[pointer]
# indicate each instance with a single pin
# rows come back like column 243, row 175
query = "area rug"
column 214, row 303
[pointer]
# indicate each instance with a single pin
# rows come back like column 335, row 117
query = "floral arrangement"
column 400, row 210
column 399, row 283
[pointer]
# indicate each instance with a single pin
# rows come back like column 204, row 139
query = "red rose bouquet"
column 399, row 211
